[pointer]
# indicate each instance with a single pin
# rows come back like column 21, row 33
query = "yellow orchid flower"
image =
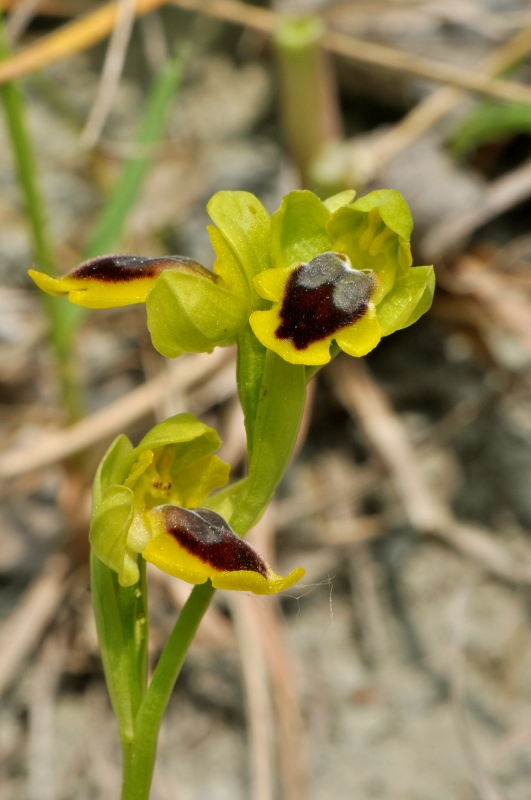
column 145, row 503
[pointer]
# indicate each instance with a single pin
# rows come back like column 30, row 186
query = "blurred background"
column 401, row 668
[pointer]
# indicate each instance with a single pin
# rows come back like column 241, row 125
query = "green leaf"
column 244, row 225
column 489, row 122
column 374, row 233
column 424, row 303
column 278, row 418
column 225, row 501
column 339, row 200
column 392, row 208
column 121, row 622
column 188, row 313
column 113, row 467
column 298, row 229
column 192, row 439
column 397, row 306
column 109, row 526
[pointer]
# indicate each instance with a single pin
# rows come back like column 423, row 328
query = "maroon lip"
column 311, row 314
column 124, row 268
column 206, row 535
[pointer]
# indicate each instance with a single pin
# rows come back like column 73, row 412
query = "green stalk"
column 280, row 389
column 139, row 757
column 275, row 428
column 57, row 309
column 308, row 96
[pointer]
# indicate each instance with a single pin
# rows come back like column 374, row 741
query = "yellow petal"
column 362, row 336
column 271, row 283
column 199, row 545
column 114, row 280
column 265, row 323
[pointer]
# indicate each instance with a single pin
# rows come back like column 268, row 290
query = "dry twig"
column 443, row 101
column 74, row 37
column 362, row 578
column 79, row 35
column 363, row 398
column 23, row 629
column 495, row 291
column 268, row 621
column 111, row 73
column 447, row 236
column 53, row 447
column 19, row 19
column 41, row 734
column 257, row 695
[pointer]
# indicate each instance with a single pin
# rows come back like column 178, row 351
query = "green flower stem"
column 122, row 624
column 140, row 754
column 277, row 416
column 276, row 425
column 249, row 371
column 59, row 312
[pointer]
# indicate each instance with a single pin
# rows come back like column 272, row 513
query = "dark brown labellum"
column 321, row 297
column 205, row 534
column 121, row 268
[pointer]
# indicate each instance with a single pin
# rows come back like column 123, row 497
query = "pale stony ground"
column 424, row 693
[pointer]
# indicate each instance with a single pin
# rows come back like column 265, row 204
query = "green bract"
column 187, row 313
column 173, row 464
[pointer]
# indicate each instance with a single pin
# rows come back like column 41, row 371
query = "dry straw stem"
column 504, row 301
column 257, row 696
column 444, row 100
column 81, row 34
column 21, row 16
column 55, row 8
column 42, row 711
column 186, row 373
column 268, row 621
column 363, row 398
column 23, row 629
column 447, row 236
column 71, row 38
column 366, row 602
column 377, row 55
column 111, row 72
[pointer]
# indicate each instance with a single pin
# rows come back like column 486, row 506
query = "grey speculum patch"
column 205, row 534
column 123, row 268
column 321, row 297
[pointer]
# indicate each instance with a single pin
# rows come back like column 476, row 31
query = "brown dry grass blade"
column 23, row 629
column 79, row 35
column 73, row 37
column 363, row 398
column 113, row 418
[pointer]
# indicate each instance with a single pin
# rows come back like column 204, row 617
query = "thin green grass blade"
column 114, row 215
